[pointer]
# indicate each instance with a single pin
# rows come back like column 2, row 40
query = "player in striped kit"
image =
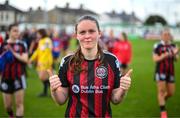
column 90, row 78
column 13, row 80
column 164, row 54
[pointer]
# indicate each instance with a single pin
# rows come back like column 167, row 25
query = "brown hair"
column 42, row 32
column 124, row 36
column 12, row 25
column 77, row 59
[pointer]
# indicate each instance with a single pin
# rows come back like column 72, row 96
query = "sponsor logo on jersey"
column 101, row 72
column 16, row 47
column 75, row 88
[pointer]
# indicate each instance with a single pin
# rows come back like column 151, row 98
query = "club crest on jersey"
column 16, row 47
column 75, row 88
column 101, row 72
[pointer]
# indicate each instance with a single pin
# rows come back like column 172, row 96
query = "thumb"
column 50, row 72
column 128, row 74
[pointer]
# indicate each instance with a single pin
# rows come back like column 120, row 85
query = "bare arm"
column 158, row 58
column 23, row 57
column 119, row 93
column 58, row 93
column 161, row 57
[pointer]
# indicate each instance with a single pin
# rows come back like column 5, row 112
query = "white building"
column 9, row 15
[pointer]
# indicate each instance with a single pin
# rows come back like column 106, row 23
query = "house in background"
column 10, row 14
column 114, row 18
column 57, row 17
column 67, row 15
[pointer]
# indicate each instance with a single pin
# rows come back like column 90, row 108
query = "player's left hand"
column 176, row 51
column 125, row 81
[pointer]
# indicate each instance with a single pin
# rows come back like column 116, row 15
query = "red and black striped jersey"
column 90, row 90
column 16, row 68
column 165, row 66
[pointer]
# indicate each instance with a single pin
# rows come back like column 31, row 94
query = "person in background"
column 164, row 54
column 43, row 58
column 57, row 48
column 1, row 40
column 110, row 41
column 89, row 78
column 123, row 51
column 13, row 81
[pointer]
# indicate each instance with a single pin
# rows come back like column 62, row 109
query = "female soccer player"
column 44, row 59
column 13, row 76
column 165, row 53
column 90, row 78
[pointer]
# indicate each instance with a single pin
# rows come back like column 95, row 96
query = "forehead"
column 165, row 33
column 14, row 28
column 86, row 24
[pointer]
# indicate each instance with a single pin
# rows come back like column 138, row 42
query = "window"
column 7, row 16
column 1, row 15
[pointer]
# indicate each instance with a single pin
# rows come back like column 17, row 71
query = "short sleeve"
column 117, row 74
column 155, row 49
column 63, row 73
column 25, row 49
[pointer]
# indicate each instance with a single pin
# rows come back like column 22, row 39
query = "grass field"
column 140, row 101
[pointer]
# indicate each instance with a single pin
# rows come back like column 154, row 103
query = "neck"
column 90, row 54
column 12, row 40
column 166, row 42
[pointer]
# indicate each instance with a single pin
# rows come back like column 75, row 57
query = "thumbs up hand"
column 125, row 81
column 54, row 81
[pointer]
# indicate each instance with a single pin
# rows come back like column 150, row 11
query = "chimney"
column 56, row 7
column 81, row 6
column 30, row 9
column 67, row 5
column 113, row 12
column 123, row 13
column 133, row 13
column 39, row 8
column 7, row 2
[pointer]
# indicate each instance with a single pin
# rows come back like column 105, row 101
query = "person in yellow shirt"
column 43, row 58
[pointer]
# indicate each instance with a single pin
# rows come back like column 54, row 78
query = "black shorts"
column 12, row 85
column 164, row 77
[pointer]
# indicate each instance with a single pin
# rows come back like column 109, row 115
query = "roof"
column 76, row 11
column 7, row 7
column 123, row 16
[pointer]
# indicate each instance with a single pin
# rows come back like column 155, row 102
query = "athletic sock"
column 46, row 85
column 10, row 113
column 162, row 108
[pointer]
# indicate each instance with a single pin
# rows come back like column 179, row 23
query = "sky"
column 142, row 8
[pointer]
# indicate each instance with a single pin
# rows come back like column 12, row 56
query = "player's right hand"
column 54, row 81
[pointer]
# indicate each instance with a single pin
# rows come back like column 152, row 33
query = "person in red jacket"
column 123, row 51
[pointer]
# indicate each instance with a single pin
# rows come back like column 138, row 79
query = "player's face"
column 166, row 36
column 14, row 33
column 39, row 35
column 88, row 34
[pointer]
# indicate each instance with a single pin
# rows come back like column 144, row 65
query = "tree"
column 153, row 19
